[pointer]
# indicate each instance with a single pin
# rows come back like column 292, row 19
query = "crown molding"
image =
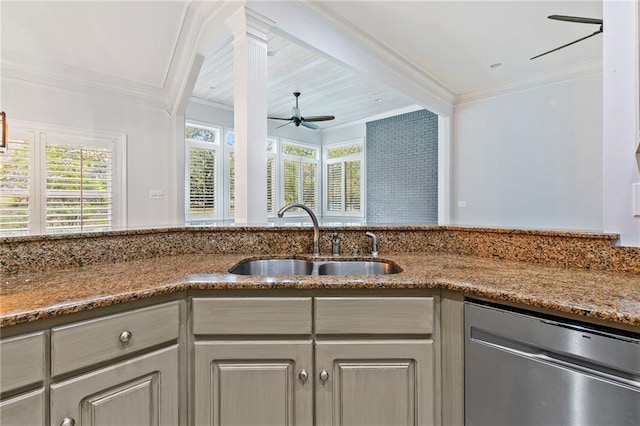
column 582, row 70
column 20, row 67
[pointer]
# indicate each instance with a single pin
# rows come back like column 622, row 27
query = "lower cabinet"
column 341, row 366
column 375, row 383
column 253, row 383
column 140, row 391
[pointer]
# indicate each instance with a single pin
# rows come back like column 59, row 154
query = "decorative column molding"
column 250, row 31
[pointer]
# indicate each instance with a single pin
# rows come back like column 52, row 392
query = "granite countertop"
column 605, row 295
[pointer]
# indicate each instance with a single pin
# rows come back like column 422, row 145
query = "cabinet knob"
column 324, row 376
column 125, row 337
column 303, row 375
column 68, row 421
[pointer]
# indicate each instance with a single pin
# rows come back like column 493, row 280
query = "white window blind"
column 343, row 179
column 202, row 182
column 334, row 187
column 203, row 172
column 300, row 174
column 15, row 187
column 78, row 188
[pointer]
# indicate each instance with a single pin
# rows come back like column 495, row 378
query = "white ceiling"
column 457, row 41
column 131, row 41
column 134, row 44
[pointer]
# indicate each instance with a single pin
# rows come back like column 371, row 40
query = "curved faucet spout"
column 314, row 219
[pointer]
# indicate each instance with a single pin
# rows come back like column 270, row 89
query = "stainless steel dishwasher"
column 526, row 369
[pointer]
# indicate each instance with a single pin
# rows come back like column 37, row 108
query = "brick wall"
column 402, row 169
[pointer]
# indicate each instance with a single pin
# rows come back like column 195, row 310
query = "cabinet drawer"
column 21, row 361
column 90, row 342
column 25, row 409
column 255, row 315
column 374, row 315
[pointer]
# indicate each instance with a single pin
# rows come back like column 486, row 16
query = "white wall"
column 147, row 129
column 621, row 114
column 342, row 134
column 531, row 159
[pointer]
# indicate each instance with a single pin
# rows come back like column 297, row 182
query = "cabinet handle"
column 125, row 336
column 303, row 375
column 324, row 376
column 68, row 421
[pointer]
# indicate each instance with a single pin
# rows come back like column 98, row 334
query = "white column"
column 620, row 119
column 250, row 114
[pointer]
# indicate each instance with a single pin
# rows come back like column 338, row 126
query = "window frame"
column 342, row 160
column 221, row 204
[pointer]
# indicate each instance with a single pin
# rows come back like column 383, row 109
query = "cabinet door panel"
column 21, row 410
column 375, row 383
column 141, row 391
column 253, row 383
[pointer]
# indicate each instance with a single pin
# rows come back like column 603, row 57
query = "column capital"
column 246, row 21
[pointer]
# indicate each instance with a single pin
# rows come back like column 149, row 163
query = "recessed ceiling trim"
column 585, row 69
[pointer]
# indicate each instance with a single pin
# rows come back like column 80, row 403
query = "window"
column 203, row 172
column 60, row 181
column 343, row 179
column 272, row 144
column 300, row 165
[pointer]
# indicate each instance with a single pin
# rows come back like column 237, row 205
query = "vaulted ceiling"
column 140, row 47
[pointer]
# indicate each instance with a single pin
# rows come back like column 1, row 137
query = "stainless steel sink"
column 274, row 267
column 358, row 267
column 271, row 267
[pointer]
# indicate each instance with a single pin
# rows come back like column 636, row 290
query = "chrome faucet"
column 374, row 243
column 316, row 228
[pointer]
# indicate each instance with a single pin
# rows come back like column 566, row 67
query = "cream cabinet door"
column 142, row 391
column 247, row 383
column 368, row 383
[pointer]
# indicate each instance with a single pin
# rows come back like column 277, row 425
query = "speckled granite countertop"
column 610, row 296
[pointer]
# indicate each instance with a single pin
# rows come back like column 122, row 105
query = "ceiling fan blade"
column 285, row 124
column 278, row 118
column 319, row 118
column 576, row 19
column 568, row 44
column 309, row 125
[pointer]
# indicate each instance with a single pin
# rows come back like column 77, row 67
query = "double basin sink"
column 271, row 267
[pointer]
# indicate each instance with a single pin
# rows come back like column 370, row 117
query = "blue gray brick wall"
column 402, row 169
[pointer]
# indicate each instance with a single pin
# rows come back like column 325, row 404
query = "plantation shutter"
column 232, row 182
column 309, row 185
column 352, row 194
column 271, row 180
column 78, row 188
column 291, row 181
column 334, row 187
column 15, row 187
column 202, row 182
